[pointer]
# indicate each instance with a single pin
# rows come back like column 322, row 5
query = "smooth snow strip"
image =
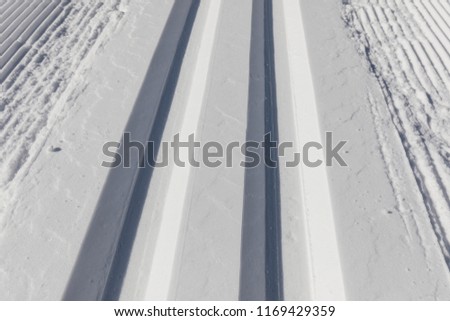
column 327, row 279
column 166, row 248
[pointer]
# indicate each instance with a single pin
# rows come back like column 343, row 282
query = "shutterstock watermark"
column 189, row 152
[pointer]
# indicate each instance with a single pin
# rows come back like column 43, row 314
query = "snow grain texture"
column 36, row 97
column 58, row 40
column 407, row 47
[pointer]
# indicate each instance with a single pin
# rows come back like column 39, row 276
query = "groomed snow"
column 77, row 74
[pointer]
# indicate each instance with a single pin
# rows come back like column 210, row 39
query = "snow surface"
column 76, row 74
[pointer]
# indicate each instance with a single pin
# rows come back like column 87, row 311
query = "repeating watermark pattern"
column 213, row 154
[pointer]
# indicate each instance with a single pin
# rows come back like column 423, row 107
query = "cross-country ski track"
column 77, row 74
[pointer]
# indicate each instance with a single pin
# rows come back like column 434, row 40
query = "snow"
column 77, row 74
column 326, row 283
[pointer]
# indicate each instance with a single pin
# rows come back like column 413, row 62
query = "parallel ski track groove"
column 102, row 262
column 261, row 259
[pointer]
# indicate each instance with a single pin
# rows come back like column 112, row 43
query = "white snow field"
column 76, row 74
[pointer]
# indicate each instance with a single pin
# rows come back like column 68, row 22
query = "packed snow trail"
column 228, row 71
column 102, row 276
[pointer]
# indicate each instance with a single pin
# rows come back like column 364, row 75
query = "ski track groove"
column 101, row 277
column 160, row 283
column 261, row 260
column 102, row 262
column 417, row 91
